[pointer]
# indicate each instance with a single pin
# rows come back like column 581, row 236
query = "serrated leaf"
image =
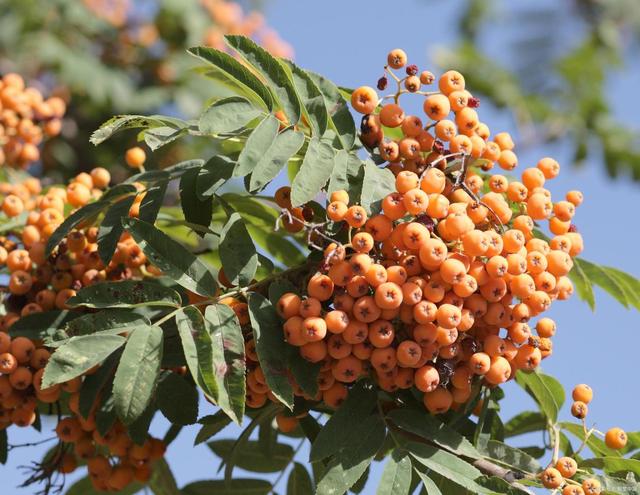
column 612, row 465
column 377, row 183
column 40, row 326
column 78, row 355
column 227, row 115
column 237, row 72
column 195, row 210
column 232, row 487
column 137, row 373
column 314, row 173
column 396, row 476
column 237, row 252
column 600, row 276
column 257, row 145
column 249, row 457
column 346, row 467
column 228, row 358
column 510, row 456
column 430, row 428
column 545, row 390
column 430, row 487
column 114, row 321
column 337, row 433
column 172, row 258
column 447, row 465
column 162, row 481
column 177, row 399
column 123, row 122
column 581, row 282
column 272, row 71
column 347, row 175
column 311, row 98
column 595, row 444
column 270, row 347
column 215, row 173
column 125, row 294
column 111, row 228
column 84, row 486
column 94, row 383
column 198, row 349
column 286, row 144
column 630, row 284
column 341, row 119
column 304, row 372
column 525, row 422
column 299, row 482
column 77, row 217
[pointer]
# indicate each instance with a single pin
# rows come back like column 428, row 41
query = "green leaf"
column 600, row 276
column 232, row 487
column 315, row 172
column 78, row 355
column 94, row 384
column 270, row 346
column 257, row 145
column 215, row 173
column 77, row 217
column 612, row 465
column 378, row 183
column 545, row 390
column 312, row 99
column 237, row 252
column 430, row 428
column 272, row 71
column 249, row 457
column 525, row 422
column 111, row 228
column 211, row 425
column 115, row 322
column 510, row 456
column 195, row 210
column 125, row 294
column 396, row 477
column 341, row 119
column 198, row 349
column 347, row 175
column 236, row 72
column 40, row 326
column 299, row 482
column 177, row 399
column 337, row 433
column 630, row 284
column 162, row 481
column 447, row 465
column 346, row 467
column 304, row 372
column 595, row 444
column 429, row 485
column 106, row 414
column 286, row 144
column 227, row 115
column 172, row 258
column 581, row 282
column 152, row 201
column 123, row 122
column 228, row 358
column 137, row 373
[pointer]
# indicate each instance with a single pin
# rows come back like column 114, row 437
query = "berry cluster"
column 559, row 475
column 440, row 286
column 37, row 283
column 26, row 117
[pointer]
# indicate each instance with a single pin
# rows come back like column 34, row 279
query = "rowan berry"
column 616, row 438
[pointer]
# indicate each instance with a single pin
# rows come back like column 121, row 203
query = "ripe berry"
column 616, row 438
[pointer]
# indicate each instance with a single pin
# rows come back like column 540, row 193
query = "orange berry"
column 551, row 478
column 591, row 486
column 364, row 100
column 437, row 107
column 135, row 157
column 391, row 115
column 616, row 438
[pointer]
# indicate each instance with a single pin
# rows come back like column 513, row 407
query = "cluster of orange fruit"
column 440, row 286
column 559, row 475
column 37, row 283
column 26, row 117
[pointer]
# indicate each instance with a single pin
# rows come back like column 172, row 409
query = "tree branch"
column 511, row 477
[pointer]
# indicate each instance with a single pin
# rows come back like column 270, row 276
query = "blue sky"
column 348, row 42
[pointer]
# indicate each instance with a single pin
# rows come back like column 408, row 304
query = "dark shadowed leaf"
column 237, row 252
column 299, row 482
column 125, row 294
column 152, row 201
column 233, row 487
column 78, row 216
column 213, row 175
column 270, row 346
column 41, row 325
column 211, row 425
column 195, row 210
column 396, row 476
column 172, row 258
column 84, row 486
column 177, row 399
column 111, row 228
column 250, row 457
